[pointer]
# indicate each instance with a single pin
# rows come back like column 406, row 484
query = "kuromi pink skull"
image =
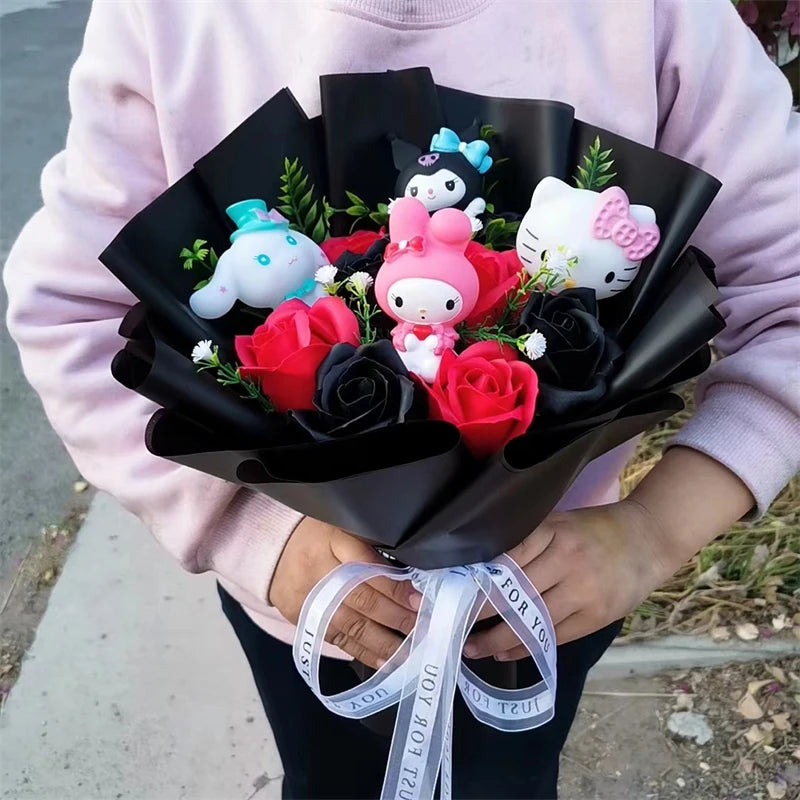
column 426, row 283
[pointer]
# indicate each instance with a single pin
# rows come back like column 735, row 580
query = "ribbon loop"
column 422, row 676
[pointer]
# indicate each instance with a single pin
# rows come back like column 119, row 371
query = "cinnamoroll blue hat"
column 252, row 216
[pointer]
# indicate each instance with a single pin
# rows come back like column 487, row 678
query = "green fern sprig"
column 199, row 255
column 299, row 204
column 594, row 172
column 498, row 233
column 359, row 209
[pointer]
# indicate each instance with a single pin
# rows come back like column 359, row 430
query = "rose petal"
column 490, row 350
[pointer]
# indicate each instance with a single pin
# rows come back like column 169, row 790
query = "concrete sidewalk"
column 136, row 687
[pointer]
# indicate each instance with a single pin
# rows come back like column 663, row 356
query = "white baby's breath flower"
column 203, row 351
column 326, row 275
column 535, row 345
column 559, row 261
column 359, row 282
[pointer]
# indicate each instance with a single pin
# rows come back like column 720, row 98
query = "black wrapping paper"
column 361, row 112
column 520, row 487
column 279, row 129
column 145, row 257
column 380, row 483
column 682, row 321
column 534, row 135
column 155, row 370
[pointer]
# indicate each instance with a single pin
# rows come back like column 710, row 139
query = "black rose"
column 580, row 355
column 360, row 389
column 369, row 261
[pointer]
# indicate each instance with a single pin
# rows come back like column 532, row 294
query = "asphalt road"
column 38, row 43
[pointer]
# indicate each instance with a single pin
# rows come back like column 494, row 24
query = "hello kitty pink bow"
column 613, row 220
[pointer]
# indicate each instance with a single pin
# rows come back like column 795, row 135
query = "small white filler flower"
column 203, row 351
column 326, row 275
column 359, row 282
column 560, row 261
column 534, row 345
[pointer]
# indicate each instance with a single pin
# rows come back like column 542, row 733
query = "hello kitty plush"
column 266, row 264
column 426, row 282
column 449, row 175
column 595, row 239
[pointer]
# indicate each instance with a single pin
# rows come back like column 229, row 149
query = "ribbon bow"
column 613, row 220
column 415, row 246
column 477, row 152
column 423, row 674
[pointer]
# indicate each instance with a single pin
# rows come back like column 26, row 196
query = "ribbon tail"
column 420, row 737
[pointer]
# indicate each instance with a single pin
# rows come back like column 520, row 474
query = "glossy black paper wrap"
column 412, row 489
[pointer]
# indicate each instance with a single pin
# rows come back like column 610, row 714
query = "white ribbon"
column 422, row 676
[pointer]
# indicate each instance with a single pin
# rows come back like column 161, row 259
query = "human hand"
column 366, row 624
column 591, row 566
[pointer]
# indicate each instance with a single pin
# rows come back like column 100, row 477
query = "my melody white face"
column 443, row 189
column 561, row 216
column 424, row 301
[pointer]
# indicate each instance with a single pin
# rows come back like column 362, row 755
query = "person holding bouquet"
column 158, row 85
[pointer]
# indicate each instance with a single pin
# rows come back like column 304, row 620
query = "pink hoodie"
column 158, row 84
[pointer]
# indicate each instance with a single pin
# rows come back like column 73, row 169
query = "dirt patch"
column 25, row 600
column 621, row 745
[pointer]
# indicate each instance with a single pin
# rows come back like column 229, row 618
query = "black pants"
column 327, row 756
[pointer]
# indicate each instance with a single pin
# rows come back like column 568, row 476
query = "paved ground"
column 38, row 43
column 135, row 686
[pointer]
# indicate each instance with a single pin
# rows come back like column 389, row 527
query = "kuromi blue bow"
column 477, row 152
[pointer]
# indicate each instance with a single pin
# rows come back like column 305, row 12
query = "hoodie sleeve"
column 65, row 309
column 726, row 108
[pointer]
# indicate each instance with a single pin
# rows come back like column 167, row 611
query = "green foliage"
column 228, row 375
column 359, row 209
column 298, row 203
column 199, row 255
column 594, row 172
column 488, row 133
column 499, row 234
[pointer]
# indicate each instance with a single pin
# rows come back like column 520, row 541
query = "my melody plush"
column 599, row 235
column 426, row 282
column 449, row 175
column 266, row 264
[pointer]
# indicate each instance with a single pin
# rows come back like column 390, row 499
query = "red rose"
column 283, row 354
column 487, row 393
column 498, row 274
column 358, row 243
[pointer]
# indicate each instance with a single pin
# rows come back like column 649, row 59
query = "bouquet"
column 418, row 318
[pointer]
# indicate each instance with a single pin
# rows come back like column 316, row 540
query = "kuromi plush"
column 426, row 282
column 606, row 235
column 266, row 264
column 449, row 175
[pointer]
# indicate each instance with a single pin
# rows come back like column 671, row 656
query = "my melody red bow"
column 613, row 220
column 415, row 246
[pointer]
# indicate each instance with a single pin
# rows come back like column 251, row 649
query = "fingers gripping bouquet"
column 419, row 328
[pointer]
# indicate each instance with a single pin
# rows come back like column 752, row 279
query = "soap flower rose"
column 360, row 389
column 579, row 358
column 284, row 352
column 487, row 393
column 498, row 276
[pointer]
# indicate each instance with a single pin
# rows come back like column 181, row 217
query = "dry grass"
column 749, row 574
